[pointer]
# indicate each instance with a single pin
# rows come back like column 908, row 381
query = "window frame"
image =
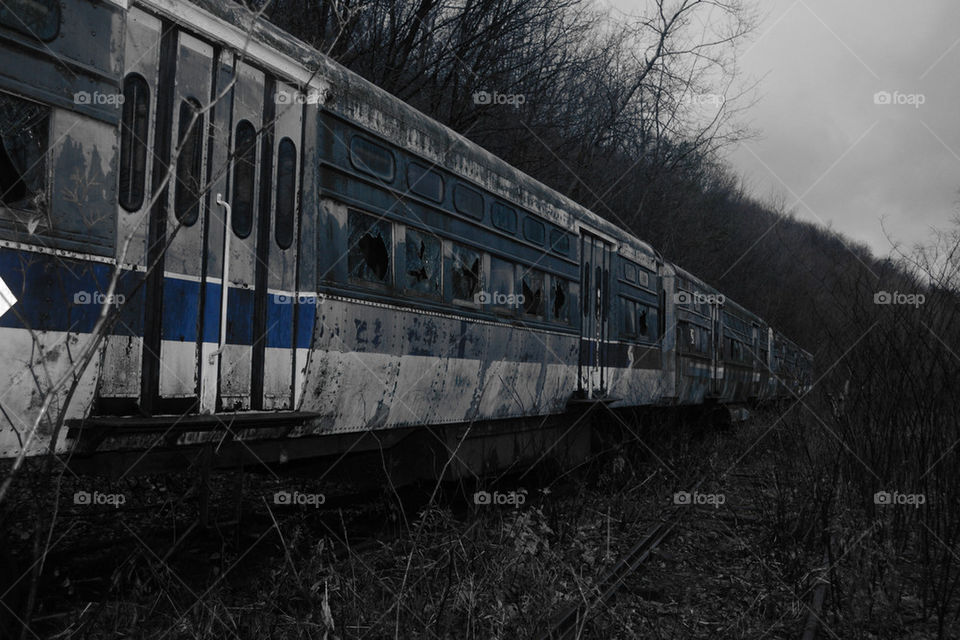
column 243, row 206
column 130, row 157
column 499, row 206
column 291, row 216
column 426, row 172
column 196, row 138
column 405, row 286
column 363, row 167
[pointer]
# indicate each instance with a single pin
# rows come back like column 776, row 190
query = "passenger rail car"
column 300, row 255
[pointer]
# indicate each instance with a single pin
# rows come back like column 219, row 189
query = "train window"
column 629, row 272
column 601, row 294
column 425, row 182
column 503, row 217
column 533, row 294
column 629, row 312
column 585, row 290
column 693, row 339
column 502, row 284
column 533, row 230
column 24, row 127
column 643, row 278
column 559, row 241
column 33, row 18
column 560, row 302
column 424, row 256
column 648, row 323
column 643, row 327
column 134, row 131
column 369, row 157
column 286, row 192
column 466, row 271
column 244, row 178
column 468, row 201
column 370, row 248
column 186, row 199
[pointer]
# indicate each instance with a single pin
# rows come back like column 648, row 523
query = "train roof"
column 350, row 96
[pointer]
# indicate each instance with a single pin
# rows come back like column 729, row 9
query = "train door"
column 172, row 322
column 716, row 349
column 595, row 257
column 259, row 247
column 276, row 297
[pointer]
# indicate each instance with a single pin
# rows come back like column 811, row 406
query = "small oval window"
column 425, row 182
column 286, row 192
column 134, row 130
column 559, row 241
column 503, row 217
column 186, row 201
column 468, row 201
column 533, row 230
column 369, row 157
column 244, row 174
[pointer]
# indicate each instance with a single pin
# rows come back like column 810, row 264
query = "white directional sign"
column 7, row 299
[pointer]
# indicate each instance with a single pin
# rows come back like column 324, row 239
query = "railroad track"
column 571, row 620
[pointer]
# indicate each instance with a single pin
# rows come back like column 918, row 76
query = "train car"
column 253, row 246
column 744, row 353
column 696, row 315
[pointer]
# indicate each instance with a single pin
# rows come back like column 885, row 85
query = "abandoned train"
column 303, row 261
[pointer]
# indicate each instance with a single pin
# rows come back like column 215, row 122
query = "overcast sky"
column 824, row 141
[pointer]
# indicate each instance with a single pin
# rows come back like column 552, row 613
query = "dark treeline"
column 624, row 115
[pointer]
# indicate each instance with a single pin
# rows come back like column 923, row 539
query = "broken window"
column 423, row 253
column 465, row 273
column 532, row 290
column 561, row 296
column 24, row 128
column 370, row 248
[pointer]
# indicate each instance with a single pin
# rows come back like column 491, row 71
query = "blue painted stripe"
column 63, row 294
